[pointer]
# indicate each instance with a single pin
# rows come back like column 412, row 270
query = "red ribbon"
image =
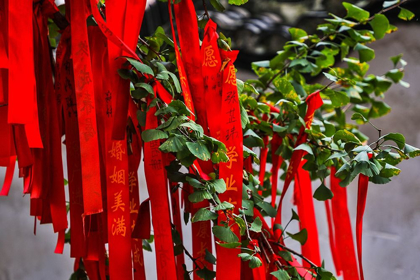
column 342, row 230
column 361, row 204
column 156, row 184
column 92, row 197
column 305, row 205
column 229, row 265
column 313, row 101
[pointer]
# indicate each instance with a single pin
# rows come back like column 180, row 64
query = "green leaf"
column 390, row 3
column 286, row 255
column 380, row 25
column 195, row 127
column 255, row 262
column 345, row 136
column 281, row 275
column 305, row 147
column 267, row 208
column 219, row 185
column 203, row 214
column 248, row 206
column 379, row 109
column 323, row 193
column 153, row 134
column 230, row 245
column 411, row 151
column 330, row 77
column 251, row 139
column 245, row 256
column 365, row 53
column 180, row 107
column 205, row 273
column 301, row 236
column 405, row 14
column 338, row 98
column 224, row 234
column 358, row 116
column 398, row 138
column 395, row 75
column 140, row 67
column 295, row 216
column 175, row 143
column 355, row 12
column 298, row 34
column 210, row 257
column 256, row 225
column 224, row 205
column 286, row 88
column 217, row 5
column 198, row 196
column 237, row 2
column 199, row 150
column 389, row 171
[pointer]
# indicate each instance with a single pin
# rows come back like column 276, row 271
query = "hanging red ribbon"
column 342, row 230
column 156, row 184
column 313, row 101
column 361, row 204
column 229, row 265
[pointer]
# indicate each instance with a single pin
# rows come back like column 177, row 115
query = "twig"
column 277, row 262
column 206, row 12
column 187, row 252
column 296, row 253
column 143, row 42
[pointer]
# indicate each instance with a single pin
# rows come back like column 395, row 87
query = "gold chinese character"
column 232, row 154
column 209, row 58
column 231, row 201
column 231, row 79
column 183, row 82
column 118, row 204
column 133, row 224
column 132, row 180
column 309, row 121
column 118, row 227
column 117, row 150
column 202, row 231
column 230, row 182
column 136, row 255
column 118, row 176
column 133, row 206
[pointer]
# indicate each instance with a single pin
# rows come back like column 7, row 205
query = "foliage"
column 340, row 53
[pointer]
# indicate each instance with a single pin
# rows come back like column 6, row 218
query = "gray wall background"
column 392, row 219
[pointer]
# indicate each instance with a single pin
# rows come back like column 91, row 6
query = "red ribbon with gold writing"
column 228, row 263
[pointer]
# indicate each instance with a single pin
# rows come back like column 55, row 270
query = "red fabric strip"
column 186, row 22
column 182, row 76
column 156, row 184
column 263, row 160
column 60, row 242
column 143, row 225
column 313, row 101
column 64, row 84
column 86, row 115
column 342, row 230
column 332, row 240
column 361, row 204
column 22, row 98
column 212, row 76
column 9, row 176
column 228, row 264
column 305, row 205
column 133, row 184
